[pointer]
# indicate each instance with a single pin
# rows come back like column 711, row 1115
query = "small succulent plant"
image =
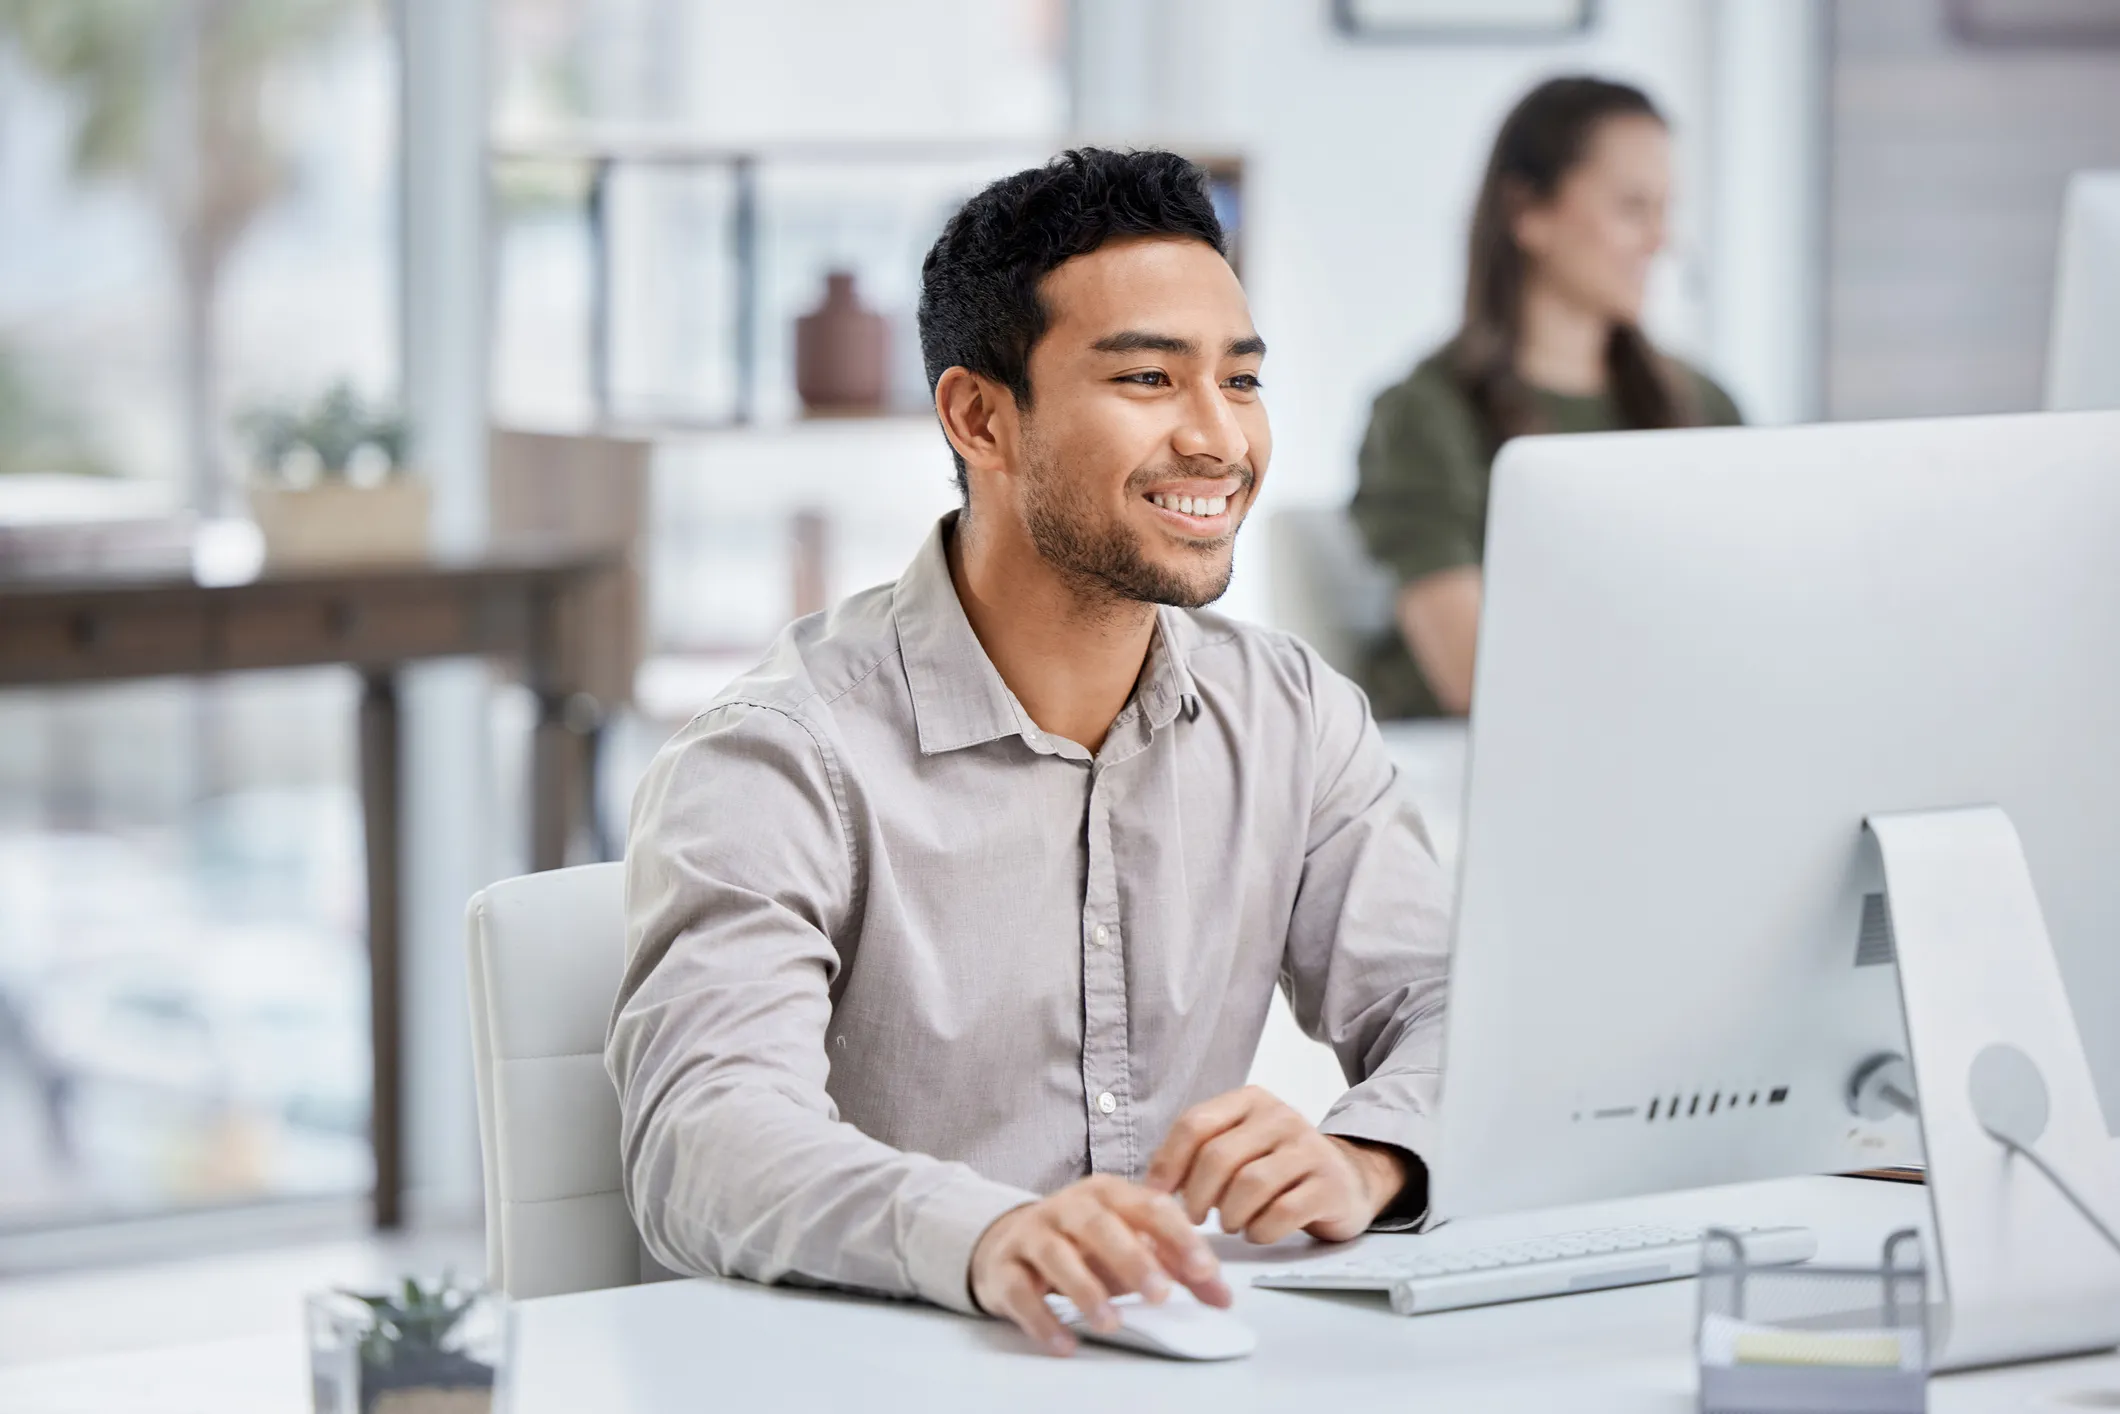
column 414, row 1322
column 339, row 436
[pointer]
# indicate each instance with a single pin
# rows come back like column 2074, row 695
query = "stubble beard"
column 1103, row 558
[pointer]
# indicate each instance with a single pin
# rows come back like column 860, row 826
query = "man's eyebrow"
column 1142, row 341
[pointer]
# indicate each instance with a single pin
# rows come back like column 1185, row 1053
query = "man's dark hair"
column 979, row 304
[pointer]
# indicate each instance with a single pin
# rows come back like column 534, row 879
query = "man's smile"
column 1199, row 508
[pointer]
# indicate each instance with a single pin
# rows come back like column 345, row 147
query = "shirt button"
column 1103, row 935
column 1106, row 1103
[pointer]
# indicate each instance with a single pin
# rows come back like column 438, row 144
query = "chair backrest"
column 1322, row 585
column 547, row 952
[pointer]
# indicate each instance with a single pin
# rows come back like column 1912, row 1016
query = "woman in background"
column 1569, row 218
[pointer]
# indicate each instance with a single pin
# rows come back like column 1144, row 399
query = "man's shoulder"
column 1275, row 696
column 1264, row 667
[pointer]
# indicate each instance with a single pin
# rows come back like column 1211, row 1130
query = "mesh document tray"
column 1813, row 1339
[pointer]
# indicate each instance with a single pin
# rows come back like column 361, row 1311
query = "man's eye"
column 1246, row 382
column 1152, row 378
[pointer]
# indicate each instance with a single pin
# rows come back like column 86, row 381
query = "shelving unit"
column 605, row 153
column 752, row 512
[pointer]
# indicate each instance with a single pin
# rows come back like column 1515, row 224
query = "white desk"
column 698, row 1345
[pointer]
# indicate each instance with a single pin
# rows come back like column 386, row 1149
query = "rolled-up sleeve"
column 739, row 876
column 1368, row 946
column 1416, row 501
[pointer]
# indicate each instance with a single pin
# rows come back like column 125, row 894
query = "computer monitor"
column 1706, row 657
column 2083, row 349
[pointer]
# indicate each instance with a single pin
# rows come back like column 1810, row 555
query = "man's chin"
column 1194, row 585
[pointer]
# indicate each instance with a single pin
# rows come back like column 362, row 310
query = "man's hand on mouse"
column 1094, row 1239
column 1270, row 1173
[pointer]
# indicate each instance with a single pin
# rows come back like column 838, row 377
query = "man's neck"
column 1560, row 343
column 1069, row 654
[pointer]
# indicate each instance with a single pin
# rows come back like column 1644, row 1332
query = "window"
column 196, row 218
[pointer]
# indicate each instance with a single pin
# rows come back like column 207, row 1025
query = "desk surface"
column 732, row 1345
column 513, row 557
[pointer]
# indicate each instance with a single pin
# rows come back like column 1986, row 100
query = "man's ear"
column 978, row 415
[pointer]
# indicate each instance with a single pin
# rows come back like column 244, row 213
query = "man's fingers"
column 1022, row 1299
column 1292, row 1211
column 1161, row 1218
column 1154, row 1287
column 1060, row 1263
column 1179, row 1245
column 1173, row 1159
column 1120, row 1256
column 1261, row 1181
column 1218, row 1161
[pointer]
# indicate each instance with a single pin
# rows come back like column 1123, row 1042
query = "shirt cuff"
column 1374, row 1123
column 944, row 1230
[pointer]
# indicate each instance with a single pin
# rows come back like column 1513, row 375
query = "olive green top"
column 1421, row 505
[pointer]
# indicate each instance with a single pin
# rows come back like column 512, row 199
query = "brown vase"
column 841, row 352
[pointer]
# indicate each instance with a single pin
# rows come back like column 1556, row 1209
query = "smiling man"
column 954, row 924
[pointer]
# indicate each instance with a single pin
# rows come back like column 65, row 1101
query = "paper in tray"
column 1813, row 1339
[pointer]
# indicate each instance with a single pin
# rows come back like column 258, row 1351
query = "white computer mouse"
column 1182, row 1328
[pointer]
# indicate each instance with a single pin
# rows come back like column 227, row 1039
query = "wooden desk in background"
column 547, row 610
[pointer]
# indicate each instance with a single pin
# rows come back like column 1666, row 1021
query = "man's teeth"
column 1193, row 505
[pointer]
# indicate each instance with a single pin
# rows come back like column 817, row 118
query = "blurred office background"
column 603, row 218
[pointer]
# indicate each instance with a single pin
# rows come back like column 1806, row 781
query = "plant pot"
column 333, row 523
column 430, row 1382
column 842, row 353
column 355, row 1369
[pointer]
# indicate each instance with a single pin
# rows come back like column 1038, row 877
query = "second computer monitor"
column 1705, row 658
column 2083, row 346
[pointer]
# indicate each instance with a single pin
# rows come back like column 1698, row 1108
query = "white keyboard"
column 1421, row 1279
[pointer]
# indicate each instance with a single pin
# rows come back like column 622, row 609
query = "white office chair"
column 1323, row 586
column 546, row 955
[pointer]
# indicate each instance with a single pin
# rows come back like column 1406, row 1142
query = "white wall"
column 1362, row 163
column 908, row 69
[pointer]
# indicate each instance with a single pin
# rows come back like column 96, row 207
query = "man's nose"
column 1210, row 429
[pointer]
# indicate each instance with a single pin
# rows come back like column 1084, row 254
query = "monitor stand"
column 2023, row 1275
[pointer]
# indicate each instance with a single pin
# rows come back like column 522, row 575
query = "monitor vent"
column 1874, row 946
column 1689, row 1106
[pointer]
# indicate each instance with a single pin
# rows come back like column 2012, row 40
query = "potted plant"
column 421, row 1350
column 330, row 485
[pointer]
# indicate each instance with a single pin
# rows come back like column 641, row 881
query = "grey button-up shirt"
column 900, row 961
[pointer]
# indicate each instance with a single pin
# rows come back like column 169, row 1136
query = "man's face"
column 1146, row 438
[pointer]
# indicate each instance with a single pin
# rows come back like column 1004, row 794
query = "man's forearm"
column 740, row 1180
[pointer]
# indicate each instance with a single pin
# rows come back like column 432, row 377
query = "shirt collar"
column 959, row 699
column 1167, row 681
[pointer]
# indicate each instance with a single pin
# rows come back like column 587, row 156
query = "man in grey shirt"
column 953, row 925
